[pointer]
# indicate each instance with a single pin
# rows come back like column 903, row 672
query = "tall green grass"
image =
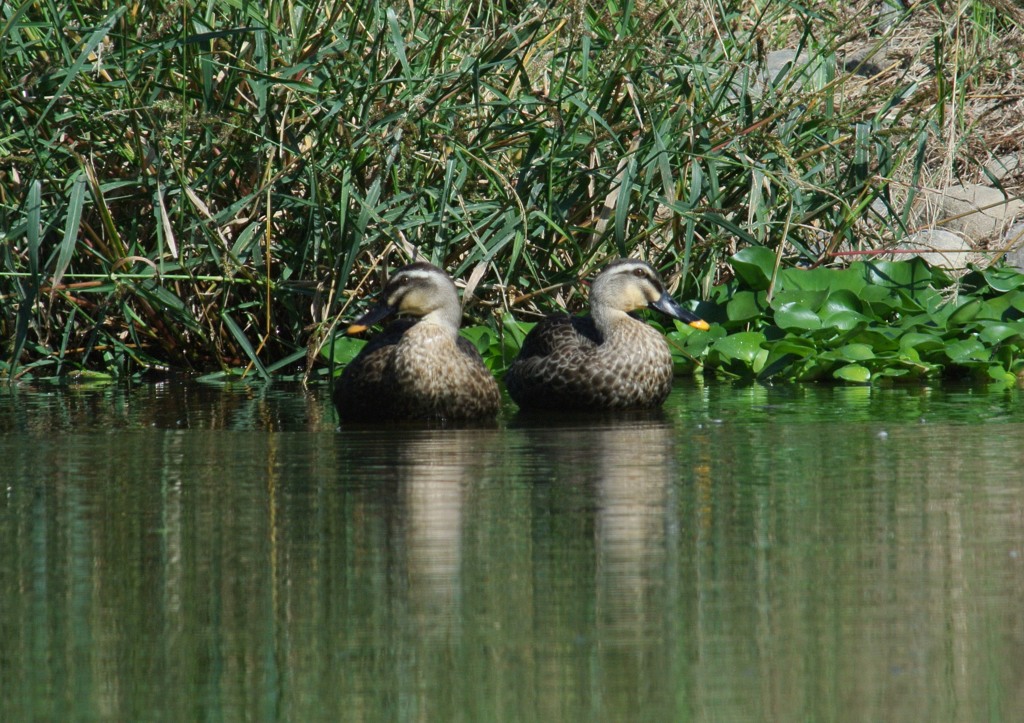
column 209, row 186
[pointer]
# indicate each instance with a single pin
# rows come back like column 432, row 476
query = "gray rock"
column 939, row 248
column 889, row 13
column 1002, row 166
column 866, row 62
column 802, row 66
column 976, row 212
column 1013, row 242
column 790, row 69
column 880, row 208
column 778, row 62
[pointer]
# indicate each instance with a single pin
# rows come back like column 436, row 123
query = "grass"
column 210, row 187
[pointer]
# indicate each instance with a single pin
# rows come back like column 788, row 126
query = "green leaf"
column 822, row 279
column 805, row 297
column 34, row 210
column 754, row 265
column 344, row 349
column 243, row 341
column 74, row 215
column 744, row 346
column 913, row 275
column 745, row 306
column 880, row 300
column 515, row 329
column 481, row 336
column 1001, row 375
column 999, row 308
column 793, row 345
column 783, row 363
column 853, row 373
column 997, row 333
column 841, row 300
column 921, row 341
column 967, row 350
column 792, row 315
column 880, row 340
column 843, row 320
column 964, row 312
column 1004, row 279
column 398, row 42
column 296, row 356
column 855, row 352
column 95, row 39
column 689, row 341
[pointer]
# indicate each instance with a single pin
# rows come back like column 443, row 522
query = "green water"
column 803, row 553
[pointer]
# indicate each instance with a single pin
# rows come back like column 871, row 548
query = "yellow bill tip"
column 356, row 329
column 700, row 324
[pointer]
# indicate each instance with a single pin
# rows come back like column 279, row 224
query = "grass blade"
column 243, row 341
column 67, row 244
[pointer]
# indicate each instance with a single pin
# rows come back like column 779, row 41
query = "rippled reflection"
column 748, row 554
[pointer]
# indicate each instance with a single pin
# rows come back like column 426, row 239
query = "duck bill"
column 670, row 307
column 377, row 313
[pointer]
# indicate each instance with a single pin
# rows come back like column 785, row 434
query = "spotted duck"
column 418, row 368
column 607, row 360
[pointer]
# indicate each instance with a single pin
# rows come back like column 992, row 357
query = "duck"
column 604, row 361
column 419, row 368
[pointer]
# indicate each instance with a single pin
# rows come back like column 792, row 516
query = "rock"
column 806, row 69
column 889, row 14
column 782, row 61
column 938, row 247
column 880, row 208
column 999, row 168
column 977, row 212
column 792, row 69
column 866, row 62
column 1013, row 242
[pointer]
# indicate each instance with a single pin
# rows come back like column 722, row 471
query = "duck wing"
column 552, row 365
column 365, row 391
column 560, row 334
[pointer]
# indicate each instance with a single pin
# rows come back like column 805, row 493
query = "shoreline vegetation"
column 210, row 188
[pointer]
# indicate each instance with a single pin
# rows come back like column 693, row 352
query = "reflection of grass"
column 209, row 189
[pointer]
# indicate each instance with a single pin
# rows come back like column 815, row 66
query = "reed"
column 208, row 187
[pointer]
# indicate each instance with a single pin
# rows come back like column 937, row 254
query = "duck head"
column 419, row 290
column 627, row 285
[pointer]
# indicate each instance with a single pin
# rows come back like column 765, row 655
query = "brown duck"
column 418, row 368
column 604, row 361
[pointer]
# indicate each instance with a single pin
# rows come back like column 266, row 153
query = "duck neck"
column 447, row 317
column 607, row 319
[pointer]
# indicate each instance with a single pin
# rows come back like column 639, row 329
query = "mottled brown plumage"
column 418, row 368
column 607, row 360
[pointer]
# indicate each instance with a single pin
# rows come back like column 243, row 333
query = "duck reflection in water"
column 436, row 472
column 618, row 471
column 634, row 472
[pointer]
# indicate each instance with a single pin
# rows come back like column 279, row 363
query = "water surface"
column 179, row 551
